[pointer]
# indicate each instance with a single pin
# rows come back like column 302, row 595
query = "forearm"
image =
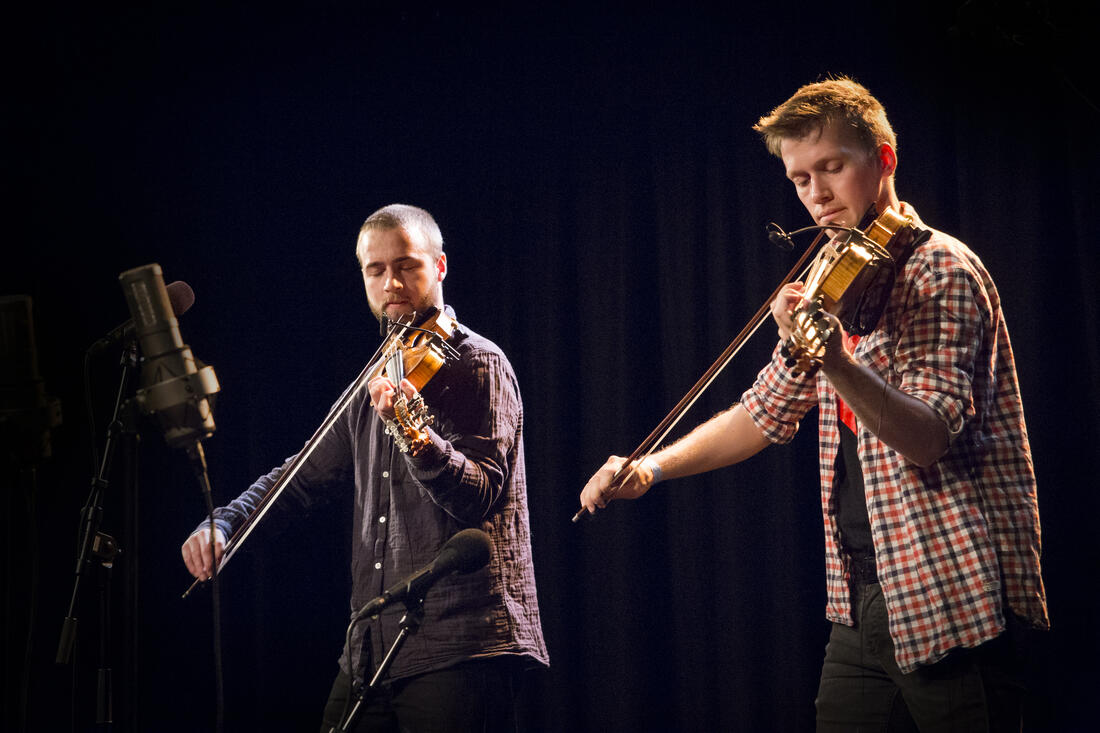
column 465, row 477
column 899, row 420
column 467, row 464
column 727, row 438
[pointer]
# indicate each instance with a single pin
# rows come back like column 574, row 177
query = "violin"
column 851, row 277
column 415, row 353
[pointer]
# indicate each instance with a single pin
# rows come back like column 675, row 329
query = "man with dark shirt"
column 458, row 672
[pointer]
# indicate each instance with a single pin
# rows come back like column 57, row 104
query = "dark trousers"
column 863, row 691
column 478, row 696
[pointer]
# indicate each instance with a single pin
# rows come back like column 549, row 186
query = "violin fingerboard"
column 395, row 367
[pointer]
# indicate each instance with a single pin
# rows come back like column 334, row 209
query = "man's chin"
column 836, row 227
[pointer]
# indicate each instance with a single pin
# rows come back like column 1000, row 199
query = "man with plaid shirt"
column 928, row 491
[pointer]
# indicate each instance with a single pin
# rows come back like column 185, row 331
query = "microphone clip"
column 778, row 237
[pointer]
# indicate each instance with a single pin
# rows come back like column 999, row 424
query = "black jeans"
column 472, row 697
column 863, row 691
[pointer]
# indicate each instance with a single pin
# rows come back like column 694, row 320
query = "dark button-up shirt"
column 405, row 509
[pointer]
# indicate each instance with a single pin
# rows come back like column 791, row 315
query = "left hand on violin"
column 783, row 307
column 411, row 356
column 792, row 297
column 836, row 346
column 383, row 394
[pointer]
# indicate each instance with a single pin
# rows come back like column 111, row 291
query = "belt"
column 861, row 571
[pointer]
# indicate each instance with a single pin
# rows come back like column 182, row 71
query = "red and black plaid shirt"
column 954, row 539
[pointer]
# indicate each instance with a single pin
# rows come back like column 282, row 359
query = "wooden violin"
column 415, row 353
column 851, row 278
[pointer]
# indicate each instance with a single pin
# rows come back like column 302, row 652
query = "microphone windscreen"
column 466, row 552
column 181, row 296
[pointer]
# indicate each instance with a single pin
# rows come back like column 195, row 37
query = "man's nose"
column 392, row 282
column 819, row 192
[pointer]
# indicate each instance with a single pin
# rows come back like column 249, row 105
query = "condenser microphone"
column 175, row 387
column 180, row 295
column 465, row 552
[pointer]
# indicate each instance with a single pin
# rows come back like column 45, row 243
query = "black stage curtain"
column 603, row 200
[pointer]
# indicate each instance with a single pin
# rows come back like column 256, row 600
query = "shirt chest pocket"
column 876, row 350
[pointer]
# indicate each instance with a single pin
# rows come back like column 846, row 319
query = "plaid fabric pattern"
column 955, row 539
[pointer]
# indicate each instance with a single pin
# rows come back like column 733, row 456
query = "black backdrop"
column 603, row 198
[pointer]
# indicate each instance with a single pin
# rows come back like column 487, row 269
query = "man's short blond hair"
column 402, row 216
column 814, row 106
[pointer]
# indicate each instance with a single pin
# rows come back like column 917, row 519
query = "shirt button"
column 382, row 519
column 385, row 474
column 378, row 566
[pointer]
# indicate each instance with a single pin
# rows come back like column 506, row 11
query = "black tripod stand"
column 410, row 624
column 102, row 547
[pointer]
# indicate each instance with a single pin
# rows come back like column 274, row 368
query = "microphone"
column 465, row 552
column 175, row 385
column 180, row 295
column 778, row 237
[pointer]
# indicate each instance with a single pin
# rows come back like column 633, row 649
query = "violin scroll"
column 407, row 428
column 804, row 350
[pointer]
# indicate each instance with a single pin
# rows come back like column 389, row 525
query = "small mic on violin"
column 778, row 237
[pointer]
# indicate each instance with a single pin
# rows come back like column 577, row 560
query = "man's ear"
column 441, row 268
column 887, row 158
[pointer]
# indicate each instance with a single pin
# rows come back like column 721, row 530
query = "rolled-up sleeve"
column 779, row 399
column 941, row 335
column 465, row 467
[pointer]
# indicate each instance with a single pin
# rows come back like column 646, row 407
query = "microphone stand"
column 410, row 624
column 102, row 546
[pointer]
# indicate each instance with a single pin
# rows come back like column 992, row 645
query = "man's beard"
column 403, row 315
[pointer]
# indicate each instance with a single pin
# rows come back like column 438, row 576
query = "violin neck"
column 395, row 367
